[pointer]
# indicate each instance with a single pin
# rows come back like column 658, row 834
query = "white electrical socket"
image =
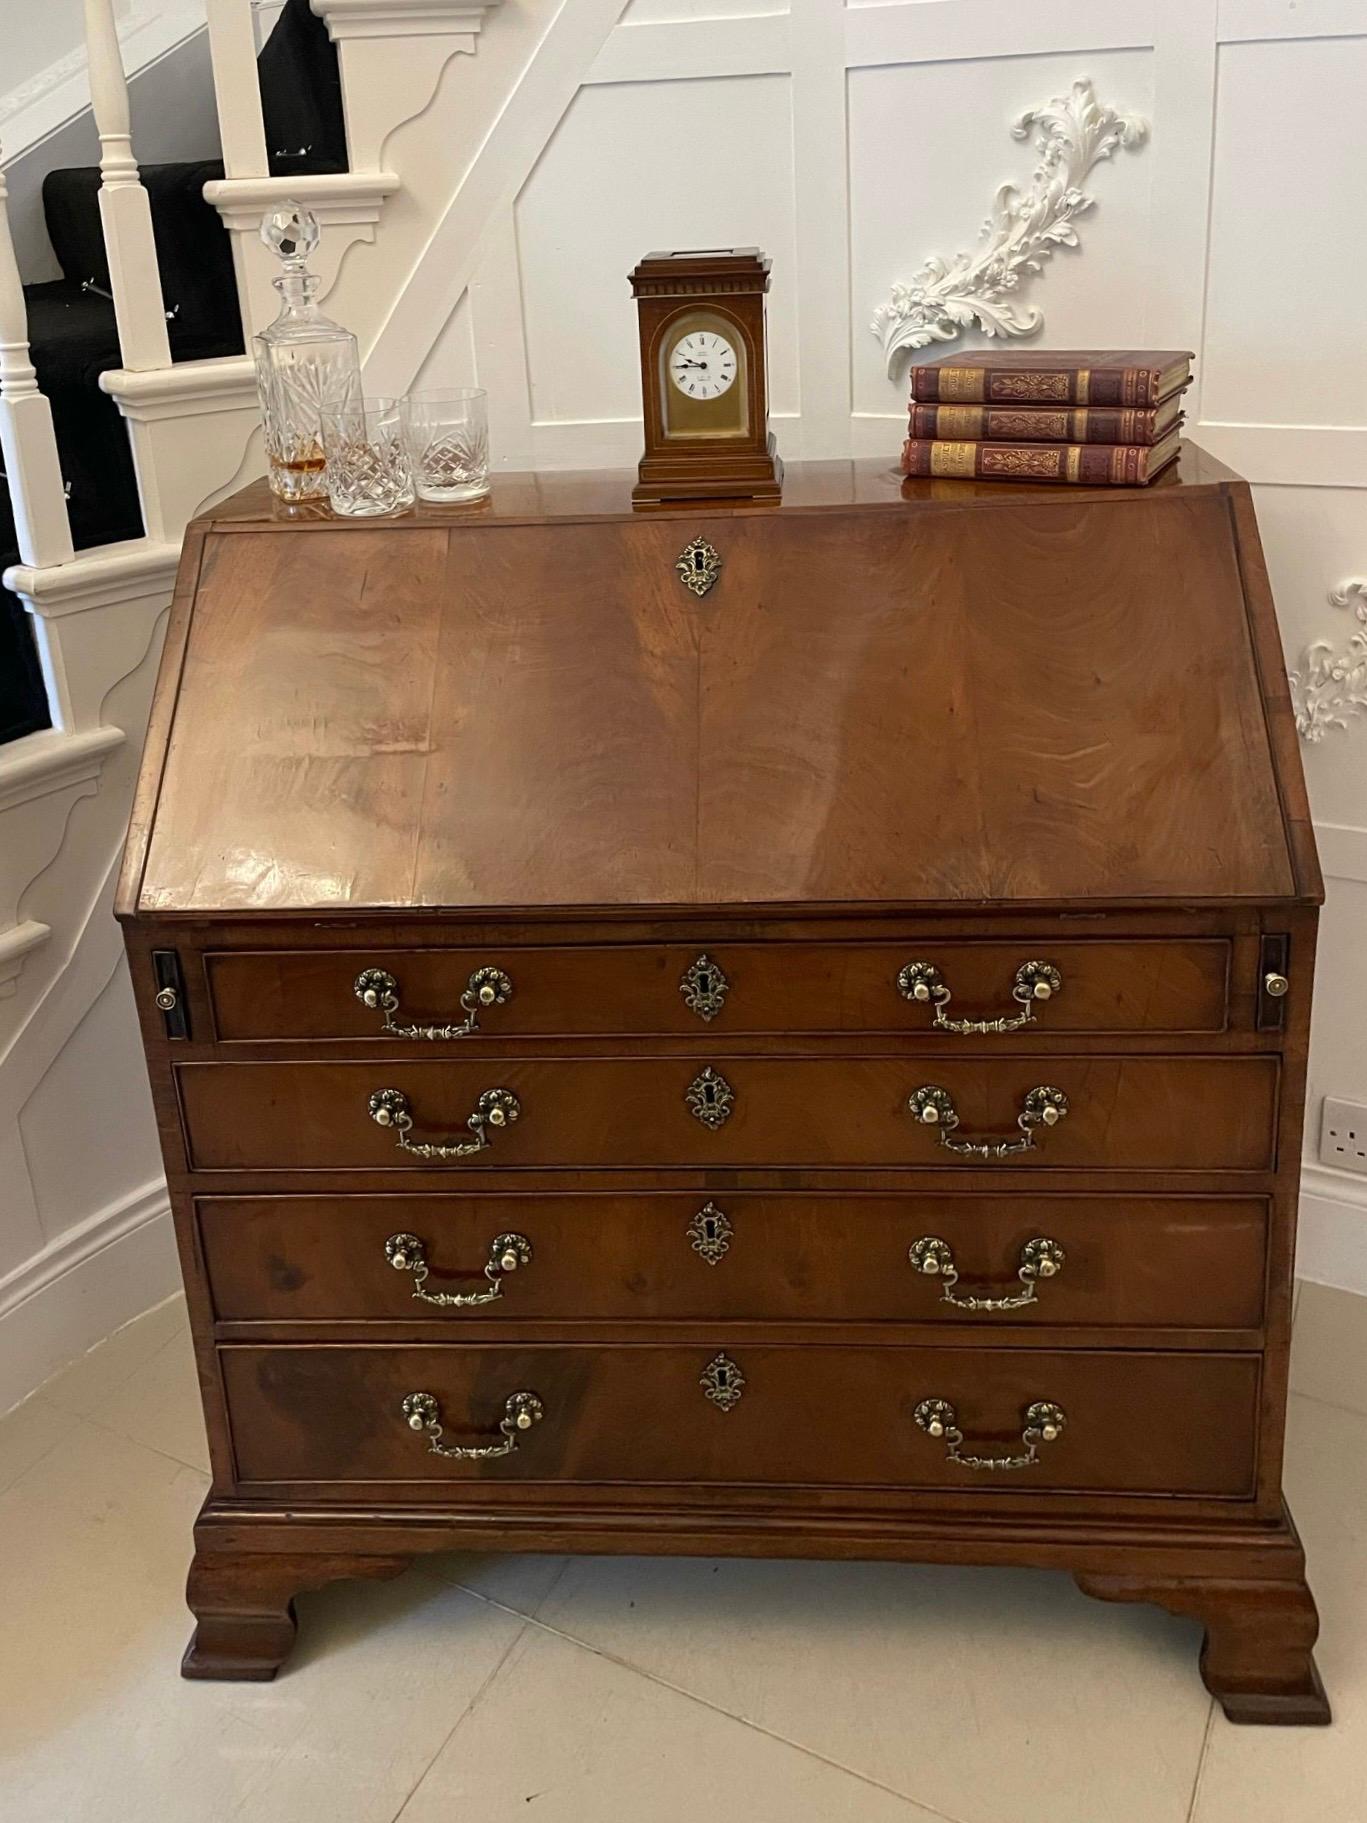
column 1343, row 1135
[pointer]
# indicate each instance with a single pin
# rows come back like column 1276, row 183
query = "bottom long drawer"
column 815, row 1415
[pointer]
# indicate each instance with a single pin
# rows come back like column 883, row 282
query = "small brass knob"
column 1047, row 1267
column 488, row 994
column 930, row 1114
column 508, row 1262
column 1276, row 985
column 524, row 1421
column 1049, row 1114
column 496, row 1117
column 1042, row 990
column 415, row 1422
column 168, row 1000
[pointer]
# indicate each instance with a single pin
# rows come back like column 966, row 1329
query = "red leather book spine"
column 1087, row 464
column 1032, row 424
column 1120, row 386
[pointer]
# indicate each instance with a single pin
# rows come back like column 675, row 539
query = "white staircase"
column 69, row 1273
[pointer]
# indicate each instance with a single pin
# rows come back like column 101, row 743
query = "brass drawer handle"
column 1039, row 1259
column 934, row 1107
column 922, row 981
column 407, row 1253
column 375, row 987
column 1041, row 1422
column 422, row 1413
column 495, row 1108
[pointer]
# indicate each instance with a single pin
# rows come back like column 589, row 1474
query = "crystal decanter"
column 303, row 360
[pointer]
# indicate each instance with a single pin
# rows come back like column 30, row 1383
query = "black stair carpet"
column 72, row 335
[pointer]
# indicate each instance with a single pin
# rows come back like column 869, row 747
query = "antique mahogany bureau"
column 772, row 1030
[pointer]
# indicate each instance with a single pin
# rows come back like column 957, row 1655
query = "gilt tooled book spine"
column 1091, row 465
column 1120, row 386
column 1033, row 424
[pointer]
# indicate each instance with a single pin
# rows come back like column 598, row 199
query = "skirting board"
column 83, row 1286
column 1331, row 1246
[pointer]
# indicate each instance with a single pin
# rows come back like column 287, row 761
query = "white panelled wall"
column 537, row 150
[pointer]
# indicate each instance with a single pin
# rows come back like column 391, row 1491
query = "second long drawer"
column 1111, row 1113
column 1124, row 1262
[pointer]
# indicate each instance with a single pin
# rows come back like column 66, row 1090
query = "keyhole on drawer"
column 710, row 1098
column 723, row 1382
column 704, row 987
column 710, row 1233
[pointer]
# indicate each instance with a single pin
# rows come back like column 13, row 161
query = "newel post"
column 125, row 212
column 29, row 447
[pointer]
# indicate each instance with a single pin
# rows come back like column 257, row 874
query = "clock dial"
column 702, row 364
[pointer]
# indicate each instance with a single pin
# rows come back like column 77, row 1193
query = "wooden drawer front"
column 1134, row 1423
column 1128, row 1261
column 1135, row 986
column 1135, row 1113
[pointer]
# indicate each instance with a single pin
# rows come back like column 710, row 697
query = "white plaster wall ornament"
column 1330, row 683
column 1073, row 133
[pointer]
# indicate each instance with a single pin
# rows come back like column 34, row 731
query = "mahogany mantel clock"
column 704, row 377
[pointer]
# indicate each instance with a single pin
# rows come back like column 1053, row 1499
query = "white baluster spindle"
column 125, row 213
column 26, row 440
column 237, row 90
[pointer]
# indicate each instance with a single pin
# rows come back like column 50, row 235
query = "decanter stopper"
column 291, row 233
column 304, row 361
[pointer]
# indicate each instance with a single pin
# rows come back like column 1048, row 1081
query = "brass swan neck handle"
column 1034, row 982
column 495, row 1108
column 932, row 1106
column 422, row 1413
column 486, row 988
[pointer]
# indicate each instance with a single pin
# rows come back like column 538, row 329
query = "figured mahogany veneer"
column 816, row 1415
column 1129, row 1113
column 972, row 727
column 1194, row 1263
column 619, row 991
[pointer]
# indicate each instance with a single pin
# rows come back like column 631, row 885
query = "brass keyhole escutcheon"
column 722, row 1382
column 710, row 1232
column 698, row 566
column 710, row 1098
column 704, row 987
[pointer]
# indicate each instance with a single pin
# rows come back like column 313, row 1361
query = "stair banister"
column 237, row 90
column 242, row 135
column 125, row 213
column 29, row 448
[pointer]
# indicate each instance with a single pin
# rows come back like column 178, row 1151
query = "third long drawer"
column 1070, row 1260
column 1118, row 1113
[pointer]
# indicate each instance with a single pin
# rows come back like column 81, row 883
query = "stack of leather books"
column 1100, row 418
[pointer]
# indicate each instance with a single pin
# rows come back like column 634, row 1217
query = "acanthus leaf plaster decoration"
column 1073, row 133
column 1330, row 683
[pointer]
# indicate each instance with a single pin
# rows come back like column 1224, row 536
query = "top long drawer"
column 421, row 995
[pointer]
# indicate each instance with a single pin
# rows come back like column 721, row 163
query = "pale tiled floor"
column 631, row 1691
